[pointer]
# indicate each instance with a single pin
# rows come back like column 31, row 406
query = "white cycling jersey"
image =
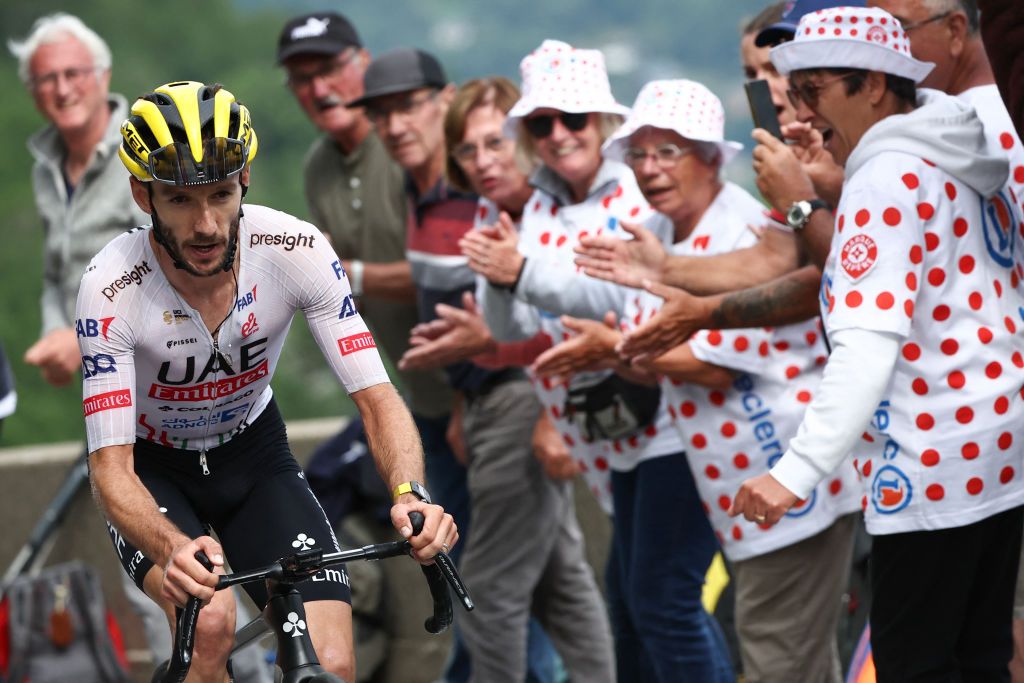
column 152, row 369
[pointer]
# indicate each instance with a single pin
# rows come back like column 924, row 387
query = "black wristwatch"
column 800, row 212
column 415, row 488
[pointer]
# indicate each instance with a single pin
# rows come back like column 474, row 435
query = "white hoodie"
column 918, row 295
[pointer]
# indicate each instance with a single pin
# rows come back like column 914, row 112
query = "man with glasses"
column 356, row 194
column 78, row 183
column 923, row 381
column 407, row 96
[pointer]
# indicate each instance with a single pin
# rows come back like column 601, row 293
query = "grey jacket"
column 76, row 228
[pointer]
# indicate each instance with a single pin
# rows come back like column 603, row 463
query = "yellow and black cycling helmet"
column 187, row 133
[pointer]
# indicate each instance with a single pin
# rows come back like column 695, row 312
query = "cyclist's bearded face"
column 198, row 225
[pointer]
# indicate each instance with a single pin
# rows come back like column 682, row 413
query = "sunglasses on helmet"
column 541, row 126
column 174, row 163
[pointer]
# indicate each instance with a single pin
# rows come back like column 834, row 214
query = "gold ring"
column 445, row 548
column 759, row 519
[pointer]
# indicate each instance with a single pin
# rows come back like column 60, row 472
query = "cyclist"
column 181, row 324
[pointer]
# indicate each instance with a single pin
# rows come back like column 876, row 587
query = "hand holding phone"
column 762, row 109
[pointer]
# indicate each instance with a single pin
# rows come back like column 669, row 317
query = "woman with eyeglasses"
column 516, row 500
column 736, row 396
column 566, row 112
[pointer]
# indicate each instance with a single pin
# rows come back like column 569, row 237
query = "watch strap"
column 415, row 488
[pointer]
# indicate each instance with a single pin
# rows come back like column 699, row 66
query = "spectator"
column 512, row 496
column 406, row 97
column 736, row 396
column 900, row 364
column 84, row 200
column 662, row 545
column 355, row 191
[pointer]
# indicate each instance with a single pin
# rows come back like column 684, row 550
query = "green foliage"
column 233, row 43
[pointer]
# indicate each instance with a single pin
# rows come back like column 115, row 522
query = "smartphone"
column 761, row 107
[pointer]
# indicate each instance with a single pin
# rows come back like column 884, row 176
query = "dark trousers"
column 662, row 547
column 943, row 601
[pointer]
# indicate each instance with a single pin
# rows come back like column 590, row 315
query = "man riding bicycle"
column 180, row 326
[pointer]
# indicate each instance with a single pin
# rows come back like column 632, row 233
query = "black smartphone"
column 761, row 107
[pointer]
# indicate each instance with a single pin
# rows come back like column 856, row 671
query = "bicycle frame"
column 285, row 615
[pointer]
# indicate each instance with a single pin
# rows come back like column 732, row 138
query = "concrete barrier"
column 30, row 476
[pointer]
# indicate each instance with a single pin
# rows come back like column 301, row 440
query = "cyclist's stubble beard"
column 173, row 246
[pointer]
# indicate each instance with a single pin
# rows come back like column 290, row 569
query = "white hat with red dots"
column 685, row 107
column 558, row 76
column 850, row 37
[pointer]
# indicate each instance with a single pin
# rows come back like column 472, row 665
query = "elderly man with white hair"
column 79, row 185
column 924, row 380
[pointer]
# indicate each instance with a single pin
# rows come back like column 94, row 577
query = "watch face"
column 796, row 215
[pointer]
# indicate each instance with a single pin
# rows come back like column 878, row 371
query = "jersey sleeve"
column 877, row 254
column 745, row 350
column 323, row 293
column 107, row 344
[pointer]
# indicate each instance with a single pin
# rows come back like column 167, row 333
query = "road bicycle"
column 285, row 616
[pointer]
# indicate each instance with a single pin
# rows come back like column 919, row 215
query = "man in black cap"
column 356, row 194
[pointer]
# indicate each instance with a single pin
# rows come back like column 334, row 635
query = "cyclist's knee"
column 339, row 660
column 216, row 628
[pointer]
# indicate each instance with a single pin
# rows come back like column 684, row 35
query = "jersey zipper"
column 202, row 463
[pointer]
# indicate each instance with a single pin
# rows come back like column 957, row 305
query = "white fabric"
column 919, row 253
column 686, row 107
column 548, row 234
column 850, row 37
column 558, row 76
column 855, row 378
column 738, row 433
column 152, row 370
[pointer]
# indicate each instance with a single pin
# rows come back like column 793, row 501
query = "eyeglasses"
column 74, row 77
column 466, row 153
column 328, row 72
column 541, row 126
column 666, row 155
column 403, row 108
column 908, row 27
column 174, row 164
column 808, row 92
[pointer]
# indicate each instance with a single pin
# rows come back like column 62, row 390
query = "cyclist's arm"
column 128, row 505
column 391, row 434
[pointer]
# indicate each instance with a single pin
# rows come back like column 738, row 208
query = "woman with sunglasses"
column 566, row 113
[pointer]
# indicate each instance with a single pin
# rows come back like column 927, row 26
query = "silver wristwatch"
column 800, row 212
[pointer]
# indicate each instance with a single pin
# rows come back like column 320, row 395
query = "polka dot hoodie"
column 736, row 434
column 923, row 249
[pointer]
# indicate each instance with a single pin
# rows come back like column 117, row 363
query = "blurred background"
column 233, row 42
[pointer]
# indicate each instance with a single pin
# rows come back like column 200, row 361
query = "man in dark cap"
column 407, row 96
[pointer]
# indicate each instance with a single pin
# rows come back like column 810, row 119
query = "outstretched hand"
column 680, row 316
column 591, row 347
column 625, row 262
column 493, row 251
column 457, row 334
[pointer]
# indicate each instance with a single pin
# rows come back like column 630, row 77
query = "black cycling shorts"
column 255, row 499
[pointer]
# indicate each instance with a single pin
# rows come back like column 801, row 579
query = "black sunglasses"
column 541, row 126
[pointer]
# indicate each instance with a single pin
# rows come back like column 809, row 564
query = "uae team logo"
column 890, row 490
column 858, row 255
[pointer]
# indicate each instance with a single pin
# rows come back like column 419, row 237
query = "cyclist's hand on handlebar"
column 184, row 575
column 439, row 530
